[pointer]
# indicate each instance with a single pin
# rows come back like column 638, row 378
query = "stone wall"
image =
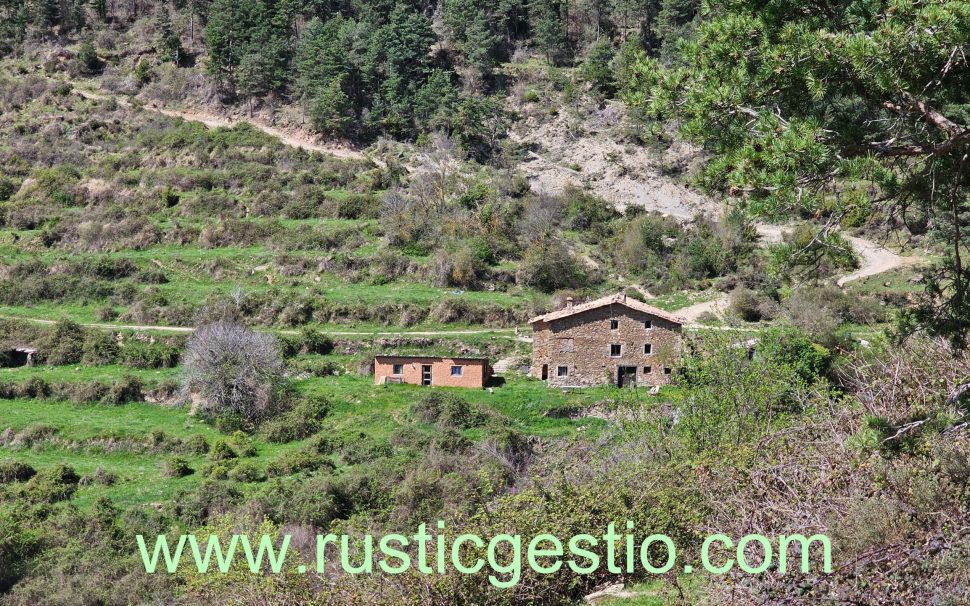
column 581, row 343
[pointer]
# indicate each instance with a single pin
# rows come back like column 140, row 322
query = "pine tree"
column 835, row 112
column 168, row 46
column 331, row 111
column 548, row 30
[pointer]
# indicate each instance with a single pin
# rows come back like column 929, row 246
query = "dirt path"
column 293, row 138
column 513, row 332
column 875, row 260
column 715, row 306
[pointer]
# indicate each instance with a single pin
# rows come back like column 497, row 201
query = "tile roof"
column 617, row 299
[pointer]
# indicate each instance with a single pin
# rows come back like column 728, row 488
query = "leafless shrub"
column 233, row 369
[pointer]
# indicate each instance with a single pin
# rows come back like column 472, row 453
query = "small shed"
column 431, row 370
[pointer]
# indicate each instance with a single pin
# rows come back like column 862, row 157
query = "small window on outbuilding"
column 562, row 371
column 648, row 323
column 614, row 324
column 398, row 369
column 648, row 349
column 456, row 371
column 616, row 350
column 667, row 370
column 647, row 370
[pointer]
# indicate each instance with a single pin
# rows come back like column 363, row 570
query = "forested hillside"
column 357, row 69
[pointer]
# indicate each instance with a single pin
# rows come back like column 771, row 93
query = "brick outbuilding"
column 431, row 370
column 612, row 340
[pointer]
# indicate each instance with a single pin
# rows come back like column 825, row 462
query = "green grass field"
column 89, row 437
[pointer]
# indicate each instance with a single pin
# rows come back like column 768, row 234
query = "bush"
column 792, row 349
column 176, row 467
column 549, row 267
column 247, row 472
column 99, row 348
column 241, row 443
column 315, row 342
column 15, row 471
column 140, row 354
column 197, row 445
column 124, row 390
column 196, row 507
column 447, row 410
column 52, row 485
column 746, row 304
column 234, row 370
column 221, row 451
column 290, row 463
column 303, row 421
column 64, row 344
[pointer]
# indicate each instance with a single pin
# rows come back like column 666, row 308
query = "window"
column 648, row 323
column 456, row 371
column 667, row 370
column 614, row 324
column 648, row 349
column 562, row 371
column 398, row 369
column 616, row 350
column 646, row 370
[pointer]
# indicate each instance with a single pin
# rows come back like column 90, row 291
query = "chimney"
column 569, row 302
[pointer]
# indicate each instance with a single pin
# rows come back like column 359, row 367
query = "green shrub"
column 15, row 471
column 139, row 354
column 64, row 344
column 746, row 304
column 221, row 451
column 548, row 267
column 176, row 467
column 793, row 349
column 196, row 507
column 290, row 463
column 247, row 472
column 315, row 342
column 324, row 444
column 124, row 390
column 51, row 485
column 241, row 443
column 196, row 444
column 99, row 348
column 229, row 422
column 447, row 410
column 304, row 420
column 363, row 450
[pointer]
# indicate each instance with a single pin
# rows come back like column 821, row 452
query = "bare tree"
column 233, row 369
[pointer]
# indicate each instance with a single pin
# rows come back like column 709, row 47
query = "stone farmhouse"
column 431, row 370
column 613, row 340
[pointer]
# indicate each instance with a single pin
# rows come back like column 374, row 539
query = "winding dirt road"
column 293, row 138
column 873, row 259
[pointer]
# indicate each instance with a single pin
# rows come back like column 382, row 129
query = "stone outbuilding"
column 18, row 356
column 612, row 340
column 431, row 371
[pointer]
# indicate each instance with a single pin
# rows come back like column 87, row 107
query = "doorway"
column 626, row 376
column 545, row 372
column 426, row 374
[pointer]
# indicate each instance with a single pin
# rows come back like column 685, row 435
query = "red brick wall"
column 474, row 372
